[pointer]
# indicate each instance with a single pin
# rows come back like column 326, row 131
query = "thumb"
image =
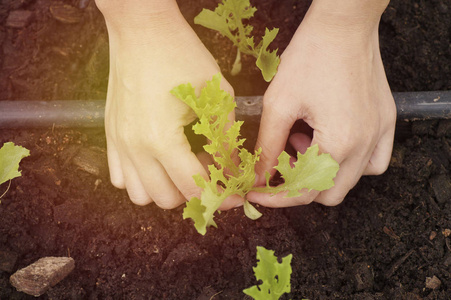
column 272, row 137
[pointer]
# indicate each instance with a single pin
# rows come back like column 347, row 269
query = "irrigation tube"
column 81, row 113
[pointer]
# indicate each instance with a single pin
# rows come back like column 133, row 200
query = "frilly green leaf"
column 275, row 276
column 10, row 157
column 311, row 171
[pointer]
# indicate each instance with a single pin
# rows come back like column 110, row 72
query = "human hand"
column 330, row 76
column 151, row 52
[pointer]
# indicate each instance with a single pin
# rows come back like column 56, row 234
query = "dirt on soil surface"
column 389, row 239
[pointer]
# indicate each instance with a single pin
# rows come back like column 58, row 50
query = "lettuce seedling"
column 10, row 157
column 274, row 276
column 212, row 107
column 227, row 18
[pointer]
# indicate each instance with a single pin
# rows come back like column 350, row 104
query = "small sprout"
column 10, row 157
column 274, row 276
column 228, row 18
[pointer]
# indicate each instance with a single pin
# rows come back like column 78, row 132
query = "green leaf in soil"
column 10, row 157
column 227, row 19
column 275, row 276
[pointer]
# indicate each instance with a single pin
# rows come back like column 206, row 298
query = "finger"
column 300, row 142
column 347, row 177
column 114, row 164
column 205, row 159
column 279, row 200
column 231, row 202
column 135, row 188
column 181, row 165
column 158, row 184
column 380, row 158
column 351, row 168
column 272, row 136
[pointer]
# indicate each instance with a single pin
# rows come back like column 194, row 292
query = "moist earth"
column 390, row 236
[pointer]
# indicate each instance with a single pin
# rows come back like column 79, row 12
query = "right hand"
column 151, row 52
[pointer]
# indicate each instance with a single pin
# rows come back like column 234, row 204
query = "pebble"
column 43, row 274
column 91, row 160
column 441, row 184
column 433, row 282
column 19, row 18
column 363, row 276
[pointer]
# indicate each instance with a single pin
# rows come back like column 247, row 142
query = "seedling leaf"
column 311, row 171
column 212, row 108
column 227, row 19
column 10, row 157
column 268, row 61
column 275, row 276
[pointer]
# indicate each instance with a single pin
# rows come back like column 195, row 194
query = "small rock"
column 363, row 277
column 7, row 260
column 38, row 277
column 91, row 160
column 433, row 282
column 441, row 184
column 432, row 235
column 66, row 13
column 19, row 18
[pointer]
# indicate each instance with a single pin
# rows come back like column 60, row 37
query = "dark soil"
column 390, row 234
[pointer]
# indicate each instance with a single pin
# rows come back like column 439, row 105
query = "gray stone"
column 38, row 277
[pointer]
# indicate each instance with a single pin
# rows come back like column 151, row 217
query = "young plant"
column 228, row 18
column 10, row 157
column 275, row 276
column 212, row 107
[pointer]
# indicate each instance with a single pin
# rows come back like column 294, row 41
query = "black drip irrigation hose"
column 88, row 114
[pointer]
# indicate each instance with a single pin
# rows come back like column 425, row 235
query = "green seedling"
column 274, row 276
column 10, row 157
column 229, row 19
column 212, row 107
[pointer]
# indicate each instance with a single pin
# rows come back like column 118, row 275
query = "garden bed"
column 391, row 233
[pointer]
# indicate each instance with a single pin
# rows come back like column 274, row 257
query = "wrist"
column 348, row 16
column 126, row 16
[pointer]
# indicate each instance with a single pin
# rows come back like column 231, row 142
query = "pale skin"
column 330, row 76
